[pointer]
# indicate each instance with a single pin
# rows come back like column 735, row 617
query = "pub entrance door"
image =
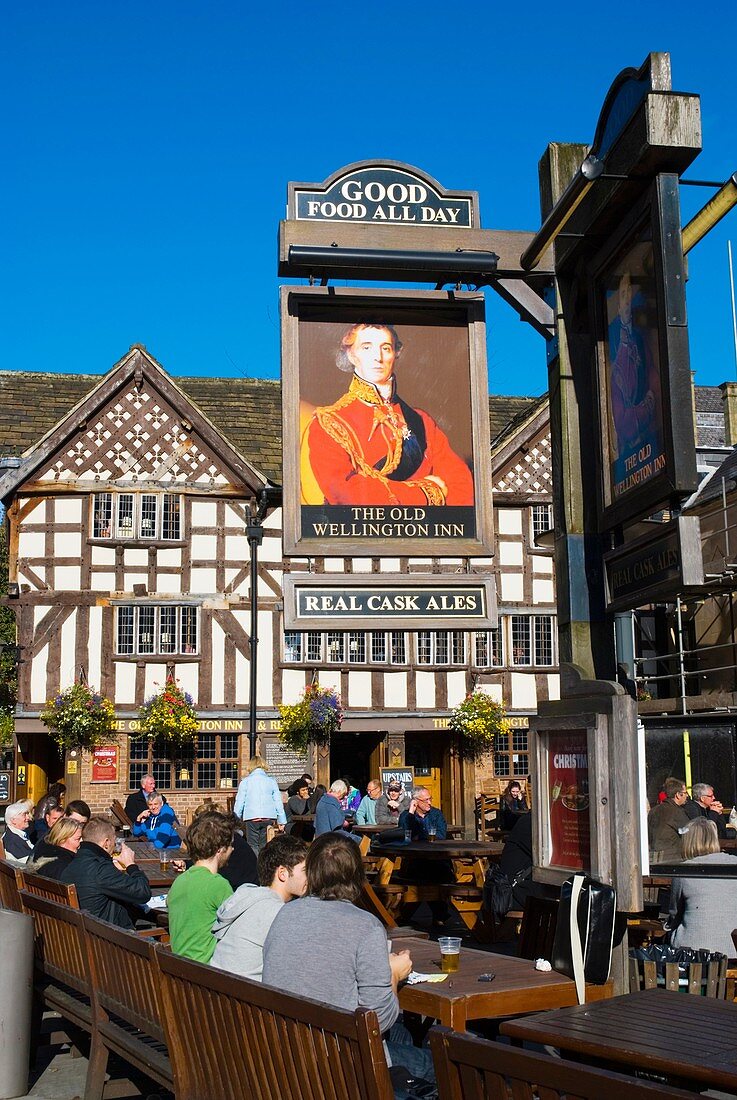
column 356, row 756
column 424, row 753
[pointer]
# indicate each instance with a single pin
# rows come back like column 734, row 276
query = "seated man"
column 336, row 953
column 421, row 815
column 668, row 822
column 366, row 812
column 136, row 803
column 52, row 812
column 157, row 823
column 78, row 810
column 103, row 890
column 243, row 921
column 330, row 815
column 702, row 803
column 195, row 896
column 391, row 805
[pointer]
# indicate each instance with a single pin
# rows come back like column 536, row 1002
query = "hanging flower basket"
column 79, row 718
column 476, row 722
column 169, row 715
column 313, row 719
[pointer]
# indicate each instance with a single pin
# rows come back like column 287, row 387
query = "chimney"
column 729, row 397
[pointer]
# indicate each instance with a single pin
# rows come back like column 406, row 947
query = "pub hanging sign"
column 382, row 193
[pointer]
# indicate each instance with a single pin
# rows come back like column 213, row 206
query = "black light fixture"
column 270, row 496
column 574, row 194
column 463, row 265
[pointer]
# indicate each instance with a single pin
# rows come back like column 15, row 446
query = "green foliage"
column 476, row 722
column 312, row 720
column 79, row 718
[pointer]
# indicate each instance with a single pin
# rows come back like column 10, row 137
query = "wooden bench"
column 264, row 1043
column 710, row 980
column 10, row 883
column 466, row 1067
column 65, row 893
column 126, row 1005
column 61, row 972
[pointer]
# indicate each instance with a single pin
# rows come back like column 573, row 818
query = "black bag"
column 498, row 890
column 584, row 934
column 411, row 1088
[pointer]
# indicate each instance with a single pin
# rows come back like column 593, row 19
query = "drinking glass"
column 163, row 860
column 450, row 953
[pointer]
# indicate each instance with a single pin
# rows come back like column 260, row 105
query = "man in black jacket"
column 137, row 802
column 703, row 804
column 103, row 890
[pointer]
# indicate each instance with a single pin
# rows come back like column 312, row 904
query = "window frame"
column 147, row 616
column 168, row 770
column 118, row 505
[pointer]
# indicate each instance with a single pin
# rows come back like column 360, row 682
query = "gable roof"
column 136, row 379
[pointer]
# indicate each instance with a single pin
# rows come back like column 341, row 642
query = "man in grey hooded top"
column 244, row 919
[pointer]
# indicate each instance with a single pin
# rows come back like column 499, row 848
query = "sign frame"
column 652, row 226
column 670, row 559
column 422, row 315
column 404, row 774
column 378, row 584
column 105, row 764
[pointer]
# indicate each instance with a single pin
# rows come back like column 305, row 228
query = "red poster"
column 105, row 764
column 568, row 798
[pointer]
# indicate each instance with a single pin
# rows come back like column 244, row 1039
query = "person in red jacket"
column 370, row 447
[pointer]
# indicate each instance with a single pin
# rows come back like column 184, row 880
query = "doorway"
column 356, row 756
column 424, row 753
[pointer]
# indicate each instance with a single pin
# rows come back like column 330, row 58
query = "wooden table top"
column 517, row 987
column 442, row 849
column 679, row 1034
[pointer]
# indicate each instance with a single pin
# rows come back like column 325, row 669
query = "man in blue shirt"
column 366, row 812
column 330, row 815
column 423, row 816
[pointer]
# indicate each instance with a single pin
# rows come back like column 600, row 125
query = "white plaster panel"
column 242, row 684
column 103, row 555
column 359, row 690
column 236, row 548
column 102, row 582
column 233, row 518
column 479, row 563
column 524, row 693
column 395, row 691
column 218, row 663
column 510, row 553
column 330, row 678
column 169, row 584
column 425, row 690
column 155, row 680
column 94, row 649
column 293, row 684
column 542, row 591
column 509, row 521
column 203, row 547
column 67, row 662
column 456, row 688
column 187, row 676
column 391, row 565
column 67, row 578
column 333, row 565
column 31, row 544
column 134, row 558
column 204, row 581
column 264, row 690
column 361, row 565
column 513, row 588
column 270, row 548
column 495, row 691
column 38, row 675
column 68, row 510
column 125, row 684
column 169, row 557
column 542, row 565
column 204, row 513
column 553, row 685
column 230, row 575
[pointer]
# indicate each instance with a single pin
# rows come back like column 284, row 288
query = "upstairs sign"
column 382, row 193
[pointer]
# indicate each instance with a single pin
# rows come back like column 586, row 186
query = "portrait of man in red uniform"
column 370, row 447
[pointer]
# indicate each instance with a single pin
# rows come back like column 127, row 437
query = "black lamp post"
column 268, row 497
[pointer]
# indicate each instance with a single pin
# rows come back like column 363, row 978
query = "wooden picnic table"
column 469, row 858
column 516, row 988
column 689, row 1039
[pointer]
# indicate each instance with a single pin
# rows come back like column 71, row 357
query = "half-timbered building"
column 127, row 499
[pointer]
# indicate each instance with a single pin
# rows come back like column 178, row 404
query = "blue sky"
column 149, row 145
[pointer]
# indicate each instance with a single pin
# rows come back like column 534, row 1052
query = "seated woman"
column 512, row 805
column 156, row 823
column 703, row 911
column 57, row 849
column 298, row 804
